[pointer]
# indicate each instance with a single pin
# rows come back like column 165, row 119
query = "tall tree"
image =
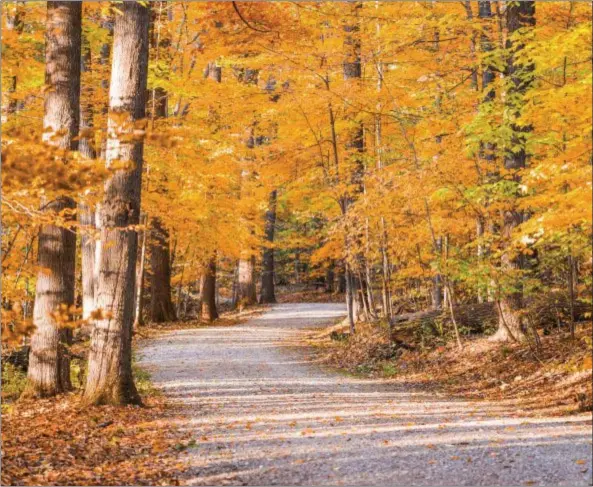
column 208, row 280
column 109, row 379
column 49, row 363
column 246, row 289
column 352, row 70
column 520, row 18
column 267, row 280
column 86, row 213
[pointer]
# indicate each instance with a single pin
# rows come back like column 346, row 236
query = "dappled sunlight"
column 256, row 409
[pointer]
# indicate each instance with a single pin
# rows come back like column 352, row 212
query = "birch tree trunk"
column 49, row 364
column 267, row 281
column 109, row 378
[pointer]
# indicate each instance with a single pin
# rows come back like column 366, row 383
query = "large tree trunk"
column 109, row 379
column 520, row 15
column 267, row 280
column 208, row 291
column 161, row 305
column 49, row 364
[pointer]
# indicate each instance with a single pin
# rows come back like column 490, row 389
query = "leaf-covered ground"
column 556, row 380
column 60, row 442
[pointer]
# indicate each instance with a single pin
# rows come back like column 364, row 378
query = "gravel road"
column 262, row 415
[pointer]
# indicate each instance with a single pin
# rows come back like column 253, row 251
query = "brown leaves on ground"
column 58, row 442
column 303, row 294
column 227, row 318
column 557, row 379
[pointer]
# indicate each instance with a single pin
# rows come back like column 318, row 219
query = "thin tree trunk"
column 140, row 278
column 208, row 291
column 49, row 364
column 86, row 213
column 109, row 378
column 161, row 304
column 267, row 282
column 352, row 70
column 330, row 277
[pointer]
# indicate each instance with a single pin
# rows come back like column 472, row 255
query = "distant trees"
column 411, row 156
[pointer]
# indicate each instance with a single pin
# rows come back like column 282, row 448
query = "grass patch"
column 13, row 383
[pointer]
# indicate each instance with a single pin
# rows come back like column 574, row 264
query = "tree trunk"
column 86, row 218
column 161, row 305
column 208, row 291
column 246, row 287
column 330, row 277
column 267, row 280
column 520, row 15
column 352, row 70
column 109, row 378
column 49, row 364
column 140, row 277
column 86, row 214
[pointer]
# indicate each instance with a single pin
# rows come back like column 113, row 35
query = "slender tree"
column 208, row 280
column 520, row 18
column 86, row 213
column 109, row 378
column 208, row 291
column 161, row 305
column 49, row 363
column 267, row 281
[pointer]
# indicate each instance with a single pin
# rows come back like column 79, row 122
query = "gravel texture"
column 260, row 414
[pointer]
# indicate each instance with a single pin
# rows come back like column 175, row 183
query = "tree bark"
column 161, row 304
column 109, row 378
column 208, row 291
column 520, row 15
column 49, row 364
column 246, row 287
column 267, row 281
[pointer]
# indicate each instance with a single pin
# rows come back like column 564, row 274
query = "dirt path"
column 261, row 415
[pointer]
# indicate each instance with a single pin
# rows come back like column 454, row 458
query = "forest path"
column 262, row 415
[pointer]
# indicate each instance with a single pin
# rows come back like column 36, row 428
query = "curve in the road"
column 262, row 415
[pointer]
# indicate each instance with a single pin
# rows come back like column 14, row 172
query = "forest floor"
column 254, row 409
column 61, row 441
column 554, row 380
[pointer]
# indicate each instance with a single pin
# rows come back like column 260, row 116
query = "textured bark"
column 49, row 364
column 208, row 291
column 109, row 378
column 520, row 15
column 161, row 305
column 246, row 290
column 267, row 280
